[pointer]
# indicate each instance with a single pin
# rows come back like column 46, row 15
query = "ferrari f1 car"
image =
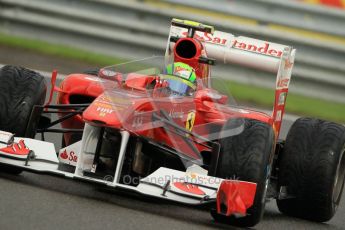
column 173, row 131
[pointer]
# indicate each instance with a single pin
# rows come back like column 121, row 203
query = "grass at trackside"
column 59, row 50
column 316, row 108
column 296, row 104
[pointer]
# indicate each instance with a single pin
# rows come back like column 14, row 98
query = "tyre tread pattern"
column 308, row 166
column 247, row 157
column 20, row 90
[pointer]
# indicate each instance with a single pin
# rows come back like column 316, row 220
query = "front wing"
column 193, row 187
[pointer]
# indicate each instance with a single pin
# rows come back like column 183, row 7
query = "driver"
column 180, row 78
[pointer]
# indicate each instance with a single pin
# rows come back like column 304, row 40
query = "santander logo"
column 64, row 155
column 263, row 49
column 69, row 156
column 242, row 43
column 206, row 37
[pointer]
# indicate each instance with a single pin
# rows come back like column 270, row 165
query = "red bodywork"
column 112, row 109
column 208, row 110
column 131, row 106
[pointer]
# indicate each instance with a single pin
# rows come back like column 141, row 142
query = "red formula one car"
column 164, row 127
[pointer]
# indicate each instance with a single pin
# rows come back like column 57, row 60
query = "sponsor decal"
column 282, row 97
column 279, row 115
column 179, row 68
column 176, row 114
column 197, row 178
column 190, row 120
column 189, row 188
column 104, row 111
column 263, row 49
column 191, row 175
column 283, row 83
column 206, row 37
column 64, row 155
column 288, row 64
column 102, row 104
column 113, row 99
column 69, row 156
column 137, row 122
column 180, row 71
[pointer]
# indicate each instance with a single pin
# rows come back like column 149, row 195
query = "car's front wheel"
column 247, row 157
column 20, row 90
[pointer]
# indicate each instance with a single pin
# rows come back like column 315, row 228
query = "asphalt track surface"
column 31, row 201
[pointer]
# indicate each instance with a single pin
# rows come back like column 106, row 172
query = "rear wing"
column 227, row 48
column 248, row 52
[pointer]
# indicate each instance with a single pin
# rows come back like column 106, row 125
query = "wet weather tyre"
column 248, row 157
column 312, row 167
column 20, row 90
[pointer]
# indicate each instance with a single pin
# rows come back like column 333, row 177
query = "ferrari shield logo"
column 190, row 121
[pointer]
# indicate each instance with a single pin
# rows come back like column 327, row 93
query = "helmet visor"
column 178, row 85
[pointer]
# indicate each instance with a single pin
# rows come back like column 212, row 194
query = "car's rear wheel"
column 20, row 90
column 247, row 157
column 312, row 168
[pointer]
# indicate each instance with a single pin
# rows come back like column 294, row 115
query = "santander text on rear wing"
column 227, row 48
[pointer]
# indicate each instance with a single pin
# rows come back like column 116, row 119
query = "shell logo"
column 191, row 175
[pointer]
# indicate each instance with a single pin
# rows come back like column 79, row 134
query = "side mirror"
column 174, row 39
column 206, row 60
column 211, row 96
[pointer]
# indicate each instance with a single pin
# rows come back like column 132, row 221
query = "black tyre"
column 247, row 157
column 20, row 90
column 312, row 167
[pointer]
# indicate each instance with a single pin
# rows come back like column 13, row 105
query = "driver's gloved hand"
column 161, row 88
